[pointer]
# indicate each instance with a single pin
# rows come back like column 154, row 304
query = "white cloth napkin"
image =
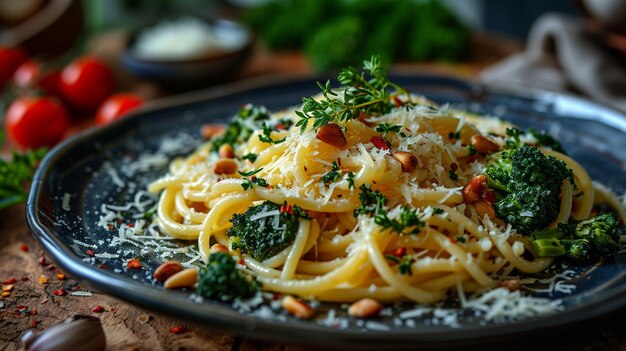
column 562, row 55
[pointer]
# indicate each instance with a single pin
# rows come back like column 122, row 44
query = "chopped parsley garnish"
column 461, row 239
column 242, row 125
column 437, row 211
column 405, row 265
column 333, row 175
column 386, row 128
column 15, row 174
column 266, row 137
column 454, row 135
column 472, row 149
column 251, row 156
column 250, row 173
column 350, row 179
column 249, row 183
column 452, row 174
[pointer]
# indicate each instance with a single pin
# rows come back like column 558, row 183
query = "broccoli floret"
column 528, row 187
column 266, row 229
column 579, row 241
column 221, row 279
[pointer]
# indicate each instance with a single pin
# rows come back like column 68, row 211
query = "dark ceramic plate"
column 77, row 177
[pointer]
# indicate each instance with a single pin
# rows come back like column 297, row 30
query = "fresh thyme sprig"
column 359, row 94
column 332, row 175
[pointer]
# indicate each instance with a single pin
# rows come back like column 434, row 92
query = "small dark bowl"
column 185, row 74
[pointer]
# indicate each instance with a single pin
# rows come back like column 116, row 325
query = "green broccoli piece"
column 221, row 279
column 528, row 187
column 579, row 241
column 533, row 137
column 266, row 229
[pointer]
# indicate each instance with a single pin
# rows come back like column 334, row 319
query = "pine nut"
column 166, row 270
column 333, row 135
column 226, row 151
column 183, row 279
column 297, row 307
column 225, row 166
column 365, row 308
column 218, row 248
column 483, row 144
column 511, row 284
column 484, row 208
column 407, row 160
column 208, row 131
column 474, row 190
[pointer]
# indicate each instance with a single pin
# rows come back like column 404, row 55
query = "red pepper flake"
column 113, row 309
column 51, row 267
column 401, row 251
column 33, row 311
column 9, row 281
column 287, row 209
column 111, row 226
column 454, row 166
column 21, row 308
column 42, row 261
column 75, row 288
column 131, row 225
column 60, row 292
column 277, row 296
column 34, row 323
column 24, row 279
column 90, row 252
column 280, row 126
column 24, row 248
column 133, row 263
column 397, row 101
column 379, row 143
column 179, row 329
column 103, row 266
column 97, row 309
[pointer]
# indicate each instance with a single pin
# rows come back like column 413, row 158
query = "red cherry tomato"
column 86, row 83
column 32, row 75
column 116, row 106
column 34, row 122
column 27, row 74
column 10, row 60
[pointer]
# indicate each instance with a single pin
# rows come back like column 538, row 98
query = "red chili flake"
column 454, row 166
column 286, row 208
column 33, row 311
column 24, row 279
column 379, row 143
column 111, row 226
column 90, row 252
column 22, row 308
column 133, row 263
column 34, row 323
column 51, row 267
column 97, row 309
column 113, row 309
column 179, row 329
column 489, row 196
column 131, row 225
column 24, row 248
column 397, row 101
column 103, row 266
column 277, row 296
column 75, row 288
column 9, row 281
column 42, row 261
column 280, row 126
column 401, row 251
column 60, row 292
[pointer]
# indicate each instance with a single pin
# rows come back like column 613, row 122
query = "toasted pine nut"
column 225, row 166
column 484, row 208
column 365, row 308
column 483, row 144
column 208, row 131
column 183, row 279
column 297, row 307
column 166, row 270
column 511, row 284
column 218, row 248
column 226, row 151
column 333, row 135
column 474, row 190
column 407, row 160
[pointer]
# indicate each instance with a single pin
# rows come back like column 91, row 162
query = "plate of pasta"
column 370, row 210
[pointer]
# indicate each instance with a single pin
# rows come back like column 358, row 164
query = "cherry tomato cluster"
column 49, row 98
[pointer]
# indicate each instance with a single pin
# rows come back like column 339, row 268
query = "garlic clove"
column 77, row 333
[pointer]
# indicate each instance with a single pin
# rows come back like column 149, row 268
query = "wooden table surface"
column 32, row 303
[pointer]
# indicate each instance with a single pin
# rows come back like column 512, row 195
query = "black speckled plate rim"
column 223, row 317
